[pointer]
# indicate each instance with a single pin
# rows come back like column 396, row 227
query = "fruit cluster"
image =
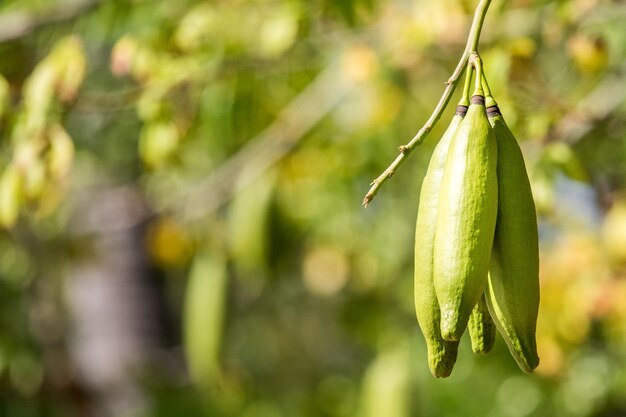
column 476, row 243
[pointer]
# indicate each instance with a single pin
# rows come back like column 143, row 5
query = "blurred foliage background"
column 180, row 198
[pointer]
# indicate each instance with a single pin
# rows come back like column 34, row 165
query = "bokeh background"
column 180, row 200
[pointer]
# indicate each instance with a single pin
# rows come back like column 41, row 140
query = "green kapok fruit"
column 512, row 291
column 466, row 219
column 441, row 353
column 203, row 316
column 11, row 196
column 481, row 327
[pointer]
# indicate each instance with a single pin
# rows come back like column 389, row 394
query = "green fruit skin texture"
column 468, row 206
column 513, row 284
column 441, row 354
column 481, row 327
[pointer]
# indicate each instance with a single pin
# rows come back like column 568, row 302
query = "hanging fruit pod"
column 466, row 217
column 513, row 284
column 441, row 353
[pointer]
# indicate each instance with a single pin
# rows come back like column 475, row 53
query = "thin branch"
column 405, row 150
column 265, row 149
column 16, row 24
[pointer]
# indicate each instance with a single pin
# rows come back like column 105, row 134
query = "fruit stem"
column 466, row 87
column 477, row 63
column 489, row 100
column 471, row 46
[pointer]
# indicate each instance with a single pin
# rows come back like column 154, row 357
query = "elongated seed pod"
column 513, row 285
column 11, row 196
column 441, row 354
column 205, row 303
column 481, row 327
column 466, row 220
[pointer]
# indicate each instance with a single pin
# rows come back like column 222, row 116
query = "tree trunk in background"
column 115, row 305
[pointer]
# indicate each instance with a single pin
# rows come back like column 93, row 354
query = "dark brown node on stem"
column 480, row 100
column 461, row 110
column 493, row 111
